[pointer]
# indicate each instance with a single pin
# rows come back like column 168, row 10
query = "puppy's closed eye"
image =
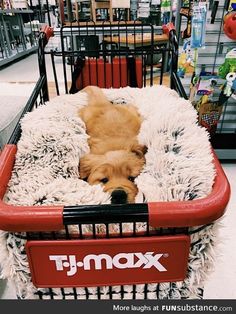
column 104, row 180
column 131, row 178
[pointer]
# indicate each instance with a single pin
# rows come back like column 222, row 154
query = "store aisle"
column 25, row 70
column 221, row 283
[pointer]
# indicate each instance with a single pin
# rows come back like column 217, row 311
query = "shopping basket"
column 69, row 261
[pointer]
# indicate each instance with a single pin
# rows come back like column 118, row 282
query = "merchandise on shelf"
column 185, row 61
column 165, row 11
column 230, row 25
column 227, row 71
column 209, row 111
column 198, row 25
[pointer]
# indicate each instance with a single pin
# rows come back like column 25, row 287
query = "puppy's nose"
column 119, row 196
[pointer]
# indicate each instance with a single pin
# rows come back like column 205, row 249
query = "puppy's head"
column 116, row 171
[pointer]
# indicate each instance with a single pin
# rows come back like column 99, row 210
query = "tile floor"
column 221, row 283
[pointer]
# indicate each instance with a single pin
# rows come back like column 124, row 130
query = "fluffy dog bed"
column 178, row 167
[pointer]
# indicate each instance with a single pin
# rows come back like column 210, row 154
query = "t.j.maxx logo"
column 100, row 261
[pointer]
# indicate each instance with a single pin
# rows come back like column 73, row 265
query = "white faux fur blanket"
column 178, row 167
column 178, row 161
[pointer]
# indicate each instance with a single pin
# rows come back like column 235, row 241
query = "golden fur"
column 115, row 157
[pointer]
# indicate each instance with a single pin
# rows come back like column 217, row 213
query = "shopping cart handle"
column 159, row 214
column 167, row 28
column 47, row 31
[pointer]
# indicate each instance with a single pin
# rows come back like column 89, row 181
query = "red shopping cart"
column 62, row 260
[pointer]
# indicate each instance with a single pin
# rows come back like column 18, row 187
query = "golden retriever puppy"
column 116, row 158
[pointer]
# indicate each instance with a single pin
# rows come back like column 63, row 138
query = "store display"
column 186, row 11
column 165, row 11
column 186, row 58
column 203, row 88
column 232, row 5
column 198, row 25
column 227, row 71
column 230, row 85
column 230, row 24
column 143, row 9
column 209, row 111
column 18, row 34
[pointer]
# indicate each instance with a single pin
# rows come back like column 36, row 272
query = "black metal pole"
column 48, row 13
column 42, row 64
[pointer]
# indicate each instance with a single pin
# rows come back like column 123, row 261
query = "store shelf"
column 18, row 35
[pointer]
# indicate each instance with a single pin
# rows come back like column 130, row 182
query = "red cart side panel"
column 139, row 72
column 24, row 218
column 84, row 263
column 106, row 75
column 7, row 160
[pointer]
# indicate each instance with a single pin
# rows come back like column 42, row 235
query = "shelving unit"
column 81, row 10
column 209, row 60
column 18, row 34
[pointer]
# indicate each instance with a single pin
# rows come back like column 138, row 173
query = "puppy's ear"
column 139, row 150
column 85, row 166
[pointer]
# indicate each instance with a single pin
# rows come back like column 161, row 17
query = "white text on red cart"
column 121, row 261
